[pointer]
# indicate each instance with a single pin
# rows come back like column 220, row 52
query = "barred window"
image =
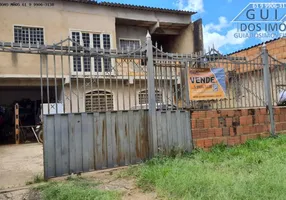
column 129, row 44
column 106, row 45
column 86, row 59
column 97, row 60
column 92, row 40
column 97, row 101
column 143, row 97
column 76, row 59
column 28, row 35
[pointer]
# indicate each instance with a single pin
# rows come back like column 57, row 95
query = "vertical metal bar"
column 279, row 82
column 156, row 68
column 262, row 91
column 91, row 80
column 163, row 80
column 272, row 78
column 181, row 85
column 186, row 83
column 128, row 75
column 145, row 76
column 242, row 78
column 155, row 77
column 166, row 78
column 151, row 96
column 134, row 77
column 104, row 83
column 98, row 59
column 176, row 81
column 63, row 80
column 161, row 83
column 259, row 75
column 110, row 75
column 228, row 88
column 83, row 68
column 171, row 82
column 116, row 84
column 42, row 87
column 267, row 88
column 55, row 79
column 247, row 80
column 222, row 101
column 48, row 86
column 254, row 75
column 140, row 76
column 77, row 87
column 122, row 83
column 236, row 85
column 70, row 81
column 159, row 78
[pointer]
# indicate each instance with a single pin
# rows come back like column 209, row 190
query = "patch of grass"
column 255, row 170
column 75, row 188
column 39, row 178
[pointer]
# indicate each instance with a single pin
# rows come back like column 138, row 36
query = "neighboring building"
column 92, row 24
column 275, row 47
column 245, row 80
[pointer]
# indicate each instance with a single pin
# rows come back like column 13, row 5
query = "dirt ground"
column 108, row 181
column 19, row 164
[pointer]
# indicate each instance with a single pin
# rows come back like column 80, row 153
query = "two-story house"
column 92, row 24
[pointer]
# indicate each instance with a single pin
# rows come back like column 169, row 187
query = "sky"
column 217, row 15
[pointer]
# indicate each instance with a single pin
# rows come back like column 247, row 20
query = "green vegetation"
column 39, row 178
column 75, row 189
column 255, row 170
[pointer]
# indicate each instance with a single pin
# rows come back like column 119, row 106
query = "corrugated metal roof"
column 135, row 7
column 256, row 45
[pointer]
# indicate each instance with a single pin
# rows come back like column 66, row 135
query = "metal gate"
column 104, row 108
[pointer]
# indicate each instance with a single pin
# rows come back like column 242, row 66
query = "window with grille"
column 143, row 97
column 97, row 101
column 28, row 35
column 92, row 40
column 126, row 44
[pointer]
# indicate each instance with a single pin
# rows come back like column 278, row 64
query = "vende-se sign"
column 207, row 84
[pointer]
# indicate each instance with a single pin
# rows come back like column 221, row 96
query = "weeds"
column 39, row 178
column 75, row 188
column 255, row 170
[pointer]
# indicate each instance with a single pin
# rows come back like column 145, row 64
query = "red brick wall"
column 233, row 127
column 276, row 48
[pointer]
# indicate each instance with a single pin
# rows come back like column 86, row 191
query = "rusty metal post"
column 17, row 127
column 151, row 98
